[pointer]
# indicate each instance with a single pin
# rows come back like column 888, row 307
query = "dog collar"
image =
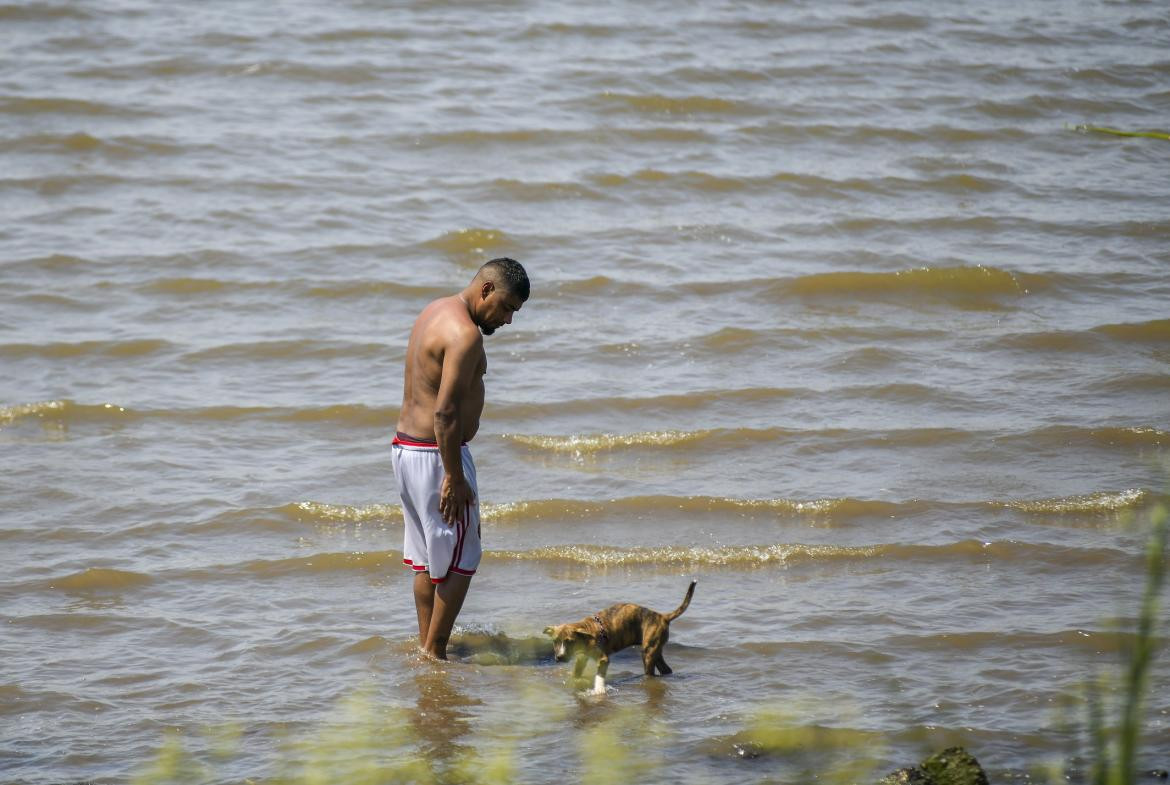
column 602, row 638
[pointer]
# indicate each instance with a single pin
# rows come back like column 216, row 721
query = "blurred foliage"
column 448, row 737
column 1113, row 748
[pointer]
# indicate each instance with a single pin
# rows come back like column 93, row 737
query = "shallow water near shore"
column 832, row 310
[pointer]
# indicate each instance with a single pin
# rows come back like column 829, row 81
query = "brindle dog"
column 613, row 629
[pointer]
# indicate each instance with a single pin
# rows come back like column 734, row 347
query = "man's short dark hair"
column 510, row 274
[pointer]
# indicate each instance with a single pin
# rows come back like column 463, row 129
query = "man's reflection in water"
column 443, row 716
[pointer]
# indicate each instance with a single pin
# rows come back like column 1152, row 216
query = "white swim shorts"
column 429, row 544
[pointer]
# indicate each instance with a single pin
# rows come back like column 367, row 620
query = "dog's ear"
column 583, row 636
column 549, row 631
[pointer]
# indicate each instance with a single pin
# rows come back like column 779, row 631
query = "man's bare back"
column 442, row 400
column 443, row 326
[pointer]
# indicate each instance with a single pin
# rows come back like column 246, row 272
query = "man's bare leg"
column 424, row 603
column 448, row 600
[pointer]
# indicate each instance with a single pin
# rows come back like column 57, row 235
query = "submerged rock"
column 912, row 776
column 954, row 766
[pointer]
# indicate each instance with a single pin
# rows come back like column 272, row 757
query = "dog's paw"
column 595, row 691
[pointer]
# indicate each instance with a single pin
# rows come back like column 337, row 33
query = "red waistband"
column 413, row 441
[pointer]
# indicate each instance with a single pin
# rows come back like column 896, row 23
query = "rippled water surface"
column 833, row 309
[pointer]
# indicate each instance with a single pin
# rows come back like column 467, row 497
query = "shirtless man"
column 442, row 400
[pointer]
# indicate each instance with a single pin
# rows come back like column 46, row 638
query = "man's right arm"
column 459, row 362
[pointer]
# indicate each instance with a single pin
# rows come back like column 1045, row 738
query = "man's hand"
column 455, row 500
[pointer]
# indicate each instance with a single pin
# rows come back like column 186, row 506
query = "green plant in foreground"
column 1098, row 129
column 369, row 741
column 1114, row 762
column 826, row 754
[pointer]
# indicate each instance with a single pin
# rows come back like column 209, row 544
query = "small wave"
column 1092, row 503
column 357, row 34
column 41, row 12
column 1154, row 331
column 908, row 392
column 787, row 132
column 186, row 286
column 1122, row 384
column 46, row 300
column 740, row 338
column 1065, row 436
column 591, row 556
column 802, row 184
column 832, row 438
column 869, row 358
column 522, row 511
column 894, row 21
column 347, row 415
column 972, row 286
column 32, row 105
column 131, row 348
column 675, row 180
column 61, row 411
column 57, row 184
column 599, row 285
column 318, row 512
column 535, row 136
column 477, row 138
column 260, row 351
column 81, row 142
column 559, row 509
column 353, row 415
column 983, row 225
column 689, row 556
column 650, row 103
column 54, row 263
column 752, row 396
column 171, row 67
column 69, row 411
column 465, row 244
column 100, row 579
column 608, row 441
column 525, row 191
column 357, row 561
column 323, row 289
column 734, row 339
column 1000, row 639
column 669, row 402
column 366, row 646
column 830, row 509
column 603, row 556
column 558, row 30
column 841, row 508
column 380, row 289
column 780, row 554
column 1061, row 341
column 735, row 438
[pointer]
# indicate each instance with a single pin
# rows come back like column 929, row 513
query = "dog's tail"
column 686, row 601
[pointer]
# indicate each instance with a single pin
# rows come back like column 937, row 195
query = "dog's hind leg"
column 652, row 655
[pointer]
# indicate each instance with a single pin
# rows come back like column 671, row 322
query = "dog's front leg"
column 599, row 679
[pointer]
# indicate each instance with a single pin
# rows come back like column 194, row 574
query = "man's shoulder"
column 448, row 322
